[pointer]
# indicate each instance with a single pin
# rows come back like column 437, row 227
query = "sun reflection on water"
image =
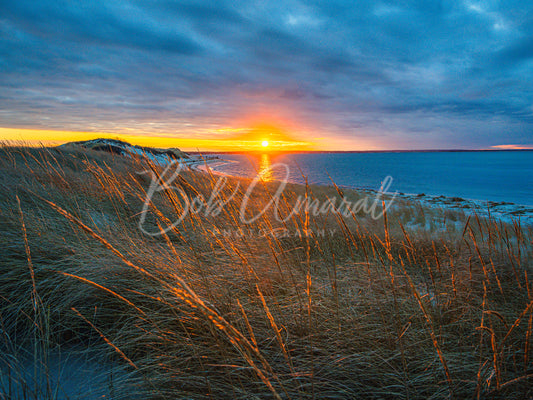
column 264, row 168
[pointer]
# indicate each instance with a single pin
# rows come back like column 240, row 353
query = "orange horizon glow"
column 262, row 137
column 229, row 139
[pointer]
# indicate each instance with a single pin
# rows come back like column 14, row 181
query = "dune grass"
column 416, row 304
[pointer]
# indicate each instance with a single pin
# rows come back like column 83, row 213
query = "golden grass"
column 420, row 304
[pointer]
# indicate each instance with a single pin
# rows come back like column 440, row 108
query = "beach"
column 193, row 285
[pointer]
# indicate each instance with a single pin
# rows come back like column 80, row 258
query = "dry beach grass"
column 417, row 304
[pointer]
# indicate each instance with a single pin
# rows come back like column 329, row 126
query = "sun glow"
column 268, row 135
column 253, row 136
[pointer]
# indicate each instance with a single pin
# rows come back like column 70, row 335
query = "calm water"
column 490, row 175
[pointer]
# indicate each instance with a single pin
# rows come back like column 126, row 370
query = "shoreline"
column 504, row 211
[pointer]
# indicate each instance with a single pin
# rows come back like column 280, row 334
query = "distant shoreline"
column 356, row 151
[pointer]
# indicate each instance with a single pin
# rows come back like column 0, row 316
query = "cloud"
column 519, row 51
column 423, row 73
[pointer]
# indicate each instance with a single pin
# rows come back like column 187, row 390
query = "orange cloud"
column 513, row 147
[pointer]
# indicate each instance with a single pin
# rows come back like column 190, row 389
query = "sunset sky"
column 315, row 75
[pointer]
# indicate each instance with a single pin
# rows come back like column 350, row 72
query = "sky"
column 324, row 75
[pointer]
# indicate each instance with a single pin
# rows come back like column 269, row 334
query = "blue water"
column 488, row 176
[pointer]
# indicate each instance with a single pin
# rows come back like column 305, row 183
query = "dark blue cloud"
column 516, row 52
column 418, row 73
column 96, row 24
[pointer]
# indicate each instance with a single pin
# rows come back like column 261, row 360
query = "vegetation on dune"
column 416, row 304
column 120, row 147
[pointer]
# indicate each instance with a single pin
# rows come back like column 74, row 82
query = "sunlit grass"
column 420, row 304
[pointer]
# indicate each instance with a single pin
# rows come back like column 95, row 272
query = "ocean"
column 496, row 176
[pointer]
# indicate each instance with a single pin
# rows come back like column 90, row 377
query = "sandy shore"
column 505, row 211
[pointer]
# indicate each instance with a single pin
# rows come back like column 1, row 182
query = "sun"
column 264, row 143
